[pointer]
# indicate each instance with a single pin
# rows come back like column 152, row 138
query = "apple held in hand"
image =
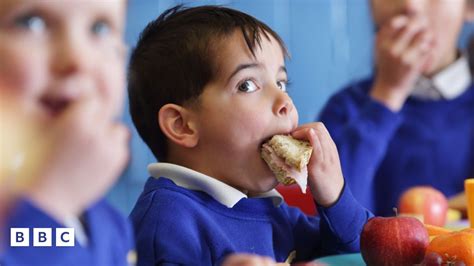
column 393, row 241
column 424, row 201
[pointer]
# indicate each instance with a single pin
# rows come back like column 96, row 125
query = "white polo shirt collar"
column 193, row 180
column 448, row 84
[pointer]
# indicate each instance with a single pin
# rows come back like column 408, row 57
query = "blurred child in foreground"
column 62, row 65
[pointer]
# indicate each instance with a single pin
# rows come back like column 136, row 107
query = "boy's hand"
column 324, row 169
column 86, row 153
column 402, row 54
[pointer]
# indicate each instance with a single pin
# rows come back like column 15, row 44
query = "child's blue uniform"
column 110, row 239
column 429, row 142
column 177, row 221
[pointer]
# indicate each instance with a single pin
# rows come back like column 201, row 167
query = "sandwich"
column 288, row 159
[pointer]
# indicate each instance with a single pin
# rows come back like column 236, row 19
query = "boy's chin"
column 428, row 70
column 264, row 187
column 54, row 113
column 267, row 183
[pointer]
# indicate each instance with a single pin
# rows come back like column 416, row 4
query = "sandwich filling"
column 288, row 159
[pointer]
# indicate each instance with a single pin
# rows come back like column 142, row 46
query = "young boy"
column 62, row 62
column 412, row 124
column 207, row 87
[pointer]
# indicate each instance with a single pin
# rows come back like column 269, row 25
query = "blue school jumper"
column 110, row 239
column 176, row 225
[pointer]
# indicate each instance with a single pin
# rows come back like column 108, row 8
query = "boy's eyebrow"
column 253, row 65
column 242, row 67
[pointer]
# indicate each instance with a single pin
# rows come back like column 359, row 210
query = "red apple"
column 393, row 241
column 424, row 201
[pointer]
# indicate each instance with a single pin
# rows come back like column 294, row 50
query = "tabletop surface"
column 345, row 259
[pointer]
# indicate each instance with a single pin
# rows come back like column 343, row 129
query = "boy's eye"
column 248, row 86
column 33, row 23
column 282, row 85
column 100, row 28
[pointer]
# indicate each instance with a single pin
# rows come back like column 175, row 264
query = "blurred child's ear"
column 176, row 123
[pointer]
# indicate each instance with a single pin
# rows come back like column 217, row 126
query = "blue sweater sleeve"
column 336, row 230
column 362, row 129
column 342, row 223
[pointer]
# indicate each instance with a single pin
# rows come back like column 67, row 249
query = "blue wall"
column 330, row 42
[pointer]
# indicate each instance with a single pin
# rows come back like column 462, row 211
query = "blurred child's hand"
column 249, row 260
column 402, row 53
column 86, row 153
column 324, row 169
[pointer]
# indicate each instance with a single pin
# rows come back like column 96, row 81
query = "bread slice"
column 295, row 152
column 287, row 158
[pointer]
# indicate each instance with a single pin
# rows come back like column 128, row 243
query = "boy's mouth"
column 55, row 105
column 266, row 139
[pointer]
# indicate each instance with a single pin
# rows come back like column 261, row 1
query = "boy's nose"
column 70, row 56
column 283, row 105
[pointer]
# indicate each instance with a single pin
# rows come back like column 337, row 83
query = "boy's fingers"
column 315, row 140
column 300, row 134
column 328, row 136
column 415, row 54
column 403, row 39
column 331, row 151
column 325, row 140
column 309, row 134
column 390, row 29
column 398, row 22
column 419, row 48
column 318, row 136
column 309, row 125
column 388, row 32
column 305, row 126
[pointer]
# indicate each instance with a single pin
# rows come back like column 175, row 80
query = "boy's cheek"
column 295, row 116
column 22, row 69
column 112, row 50
column 114, row 88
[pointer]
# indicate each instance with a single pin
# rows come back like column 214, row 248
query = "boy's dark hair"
column 174, row 60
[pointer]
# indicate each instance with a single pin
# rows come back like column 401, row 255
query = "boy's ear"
column 177, row 124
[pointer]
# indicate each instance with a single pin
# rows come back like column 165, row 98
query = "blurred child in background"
column 62, row 65
column 413, row 122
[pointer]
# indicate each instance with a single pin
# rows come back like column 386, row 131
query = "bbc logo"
column 42, row 237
